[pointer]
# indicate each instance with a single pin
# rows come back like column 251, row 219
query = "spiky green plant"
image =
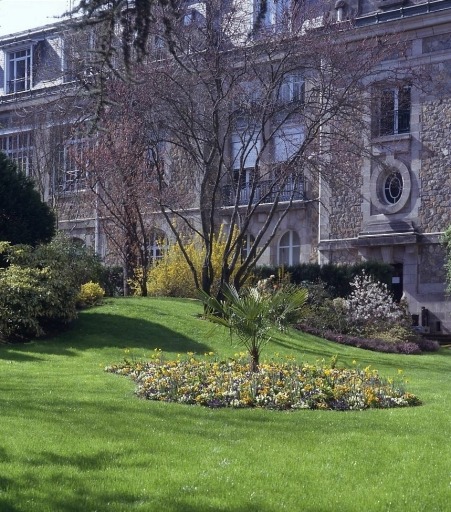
column 249, row 315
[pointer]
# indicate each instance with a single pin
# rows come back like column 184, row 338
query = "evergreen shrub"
column 111, row 279
column 34, row 300
column 39, row 286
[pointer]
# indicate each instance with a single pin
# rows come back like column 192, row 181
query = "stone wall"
column 431, row 264
column 435, row 173
column 345, row 205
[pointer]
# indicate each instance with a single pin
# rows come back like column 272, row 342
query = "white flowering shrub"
column 371, row 308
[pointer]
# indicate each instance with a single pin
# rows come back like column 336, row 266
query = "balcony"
column 264, row 193
column 21, row 84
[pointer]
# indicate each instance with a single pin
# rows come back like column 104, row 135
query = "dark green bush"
column 25, row 217
column 38, row 289
column 112, row 281
column 82, row 262
column 34, row 300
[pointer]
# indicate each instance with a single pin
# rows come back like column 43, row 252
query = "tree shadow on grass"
column 307, row 345
column 101, row 330
column 75, row 479
column 81, row 497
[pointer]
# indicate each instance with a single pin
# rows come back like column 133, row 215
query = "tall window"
column 158, row 245
column 292, row 89
column 245, row 151
column 159, row 48
column 287, row 143
column 289, row 249
column 80, row 56
column 394, row 111
column 19, row 148
column 74, row 175
column 19, row 71
column 274, row 14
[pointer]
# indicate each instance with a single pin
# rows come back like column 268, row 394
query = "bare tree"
column 249, row 108
column 121, row 172
column 247, row 121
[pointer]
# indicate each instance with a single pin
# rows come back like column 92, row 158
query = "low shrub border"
column 276, row 385
column 398, row 347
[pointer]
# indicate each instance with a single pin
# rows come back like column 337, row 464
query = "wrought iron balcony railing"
column 264, row 192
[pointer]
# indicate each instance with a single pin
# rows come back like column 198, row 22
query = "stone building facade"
column 394, row 208
column 403, row 225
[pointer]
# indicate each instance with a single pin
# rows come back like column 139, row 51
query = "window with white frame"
column 80, row 56
column 390, row 186
column 18, row 147
column 289, row 252
column 19, row 66
column 394, row 111
column 292, row 89
column 247, row 98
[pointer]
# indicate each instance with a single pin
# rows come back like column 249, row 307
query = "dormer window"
column 19, row 76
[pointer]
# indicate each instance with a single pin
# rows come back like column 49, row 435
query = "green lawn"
column 75, row 438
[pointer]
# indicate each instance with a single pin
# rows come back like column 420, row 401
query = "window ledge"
column 391, row 138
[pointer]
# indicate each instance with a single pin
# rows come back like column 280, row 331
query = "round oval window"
column 393, row 187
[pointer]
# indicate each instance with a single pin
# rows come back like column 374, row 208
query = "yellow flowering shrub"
column 90, row 294
column 171, row 275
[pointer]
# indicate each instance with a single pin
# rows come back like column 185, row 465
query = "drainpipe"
column 96, row 224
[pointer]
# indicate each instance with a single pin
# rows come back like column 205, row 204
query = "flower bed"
column 277, row 385
column 396, row 347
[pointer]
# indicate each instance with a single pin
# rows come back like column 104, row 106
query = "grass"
column 75, row 438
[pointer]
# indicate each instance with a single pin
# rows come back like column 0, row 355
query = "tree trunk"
column 206, row 277
column 255, row 359
column 125, row 280
column 143, row 286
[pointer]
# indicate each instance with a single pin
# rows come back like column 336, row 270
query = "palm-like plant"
column 251, row 314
